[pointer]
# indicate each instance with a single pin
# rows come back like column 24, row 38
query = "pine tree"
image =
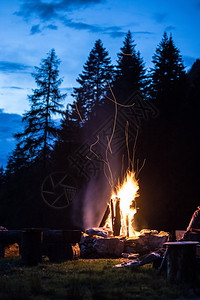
column 17, row 161
column 40, row 130
column 97, row 71
column 164, row 143
column 2, row 176
column 130, row 71
column 167, row 75
column 69, row 127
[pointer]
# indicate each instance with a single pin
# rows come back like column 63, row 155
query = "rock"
column 148, row 232
column 86, row 244
column 100, row 231
column 3, row 228
column 156, row 241
column 109, row 247
column 147, row 241
column 93, row 245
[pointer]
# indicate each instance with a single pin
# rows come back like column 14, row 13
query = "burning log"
column 127, row 225
column 105, row 217
column 113, row 211
column 116, row 216
column 122, row 207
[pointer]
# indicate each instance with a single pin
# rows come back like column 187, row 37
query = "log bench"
column 58, row 245
column 181, row 261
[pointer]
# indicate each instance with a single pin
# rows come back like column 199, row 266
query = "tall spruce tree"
column 2, row 176
column 40, row 130
column 97, row 71
column 130, row 71
column 162, row 137
column 17, row 161
column 167, row 75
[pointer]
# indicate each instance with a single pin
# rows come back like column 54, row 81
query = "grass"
column 87, row 279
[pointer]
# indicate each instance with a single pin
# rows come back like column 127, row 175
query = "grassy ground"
column 87, row 279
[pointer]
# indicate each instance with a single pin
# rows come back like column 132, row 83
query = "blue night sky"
column 31, row 28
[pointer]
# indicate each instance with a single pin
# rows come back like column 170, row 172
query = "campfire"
column 115, row 236
column 119, row 216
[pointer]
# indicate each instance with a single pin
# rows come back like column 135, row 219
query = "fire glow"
column 122, row 206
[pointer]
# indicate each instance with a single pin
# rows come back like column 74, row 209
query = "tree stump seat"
column 181, row 261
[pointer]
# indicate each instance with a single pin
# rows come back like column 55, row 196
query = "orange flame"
column 127, row 191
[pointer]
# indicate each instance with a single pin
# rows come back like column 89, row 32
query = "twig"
column 78, row 111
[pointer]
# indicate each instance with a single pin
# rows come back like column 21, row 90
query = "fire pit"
column 100, row 242
column 116, row 235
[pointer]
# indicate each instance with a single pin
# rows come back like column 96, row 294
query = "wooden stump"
column 2, row 250
column 181, row 261
column 59, row 244
column 31, row 246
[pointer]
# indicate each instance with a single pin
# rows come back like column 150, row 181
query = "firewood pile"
column 99, row 242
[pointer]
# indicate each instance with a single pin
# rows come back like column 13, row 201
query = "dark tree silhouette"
column 67, row 141
column 2, row 175
column 167, row 75
column 40, row 130
column 130, row 71
column 163, row 138
column 97, row 71
column 193, row 74
column 17, row 161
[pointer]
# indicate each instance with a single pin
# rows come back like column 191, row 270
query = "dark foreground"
column 88, row 279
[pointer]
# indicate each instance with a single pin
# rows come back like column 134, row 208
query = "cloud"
column 118, row 33
column 52, row 27
column 160, row 17
column 143, row 32
column 57, row 10
column 81, row 26
column 47, row 11
column 12, row 87
column 8, row 122
column 170, row 28
column 35, row 29
column 12, row 67
column 113, row 31
column 9, row 125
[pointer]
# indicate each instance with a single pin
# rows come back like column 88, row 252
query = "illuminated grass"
column 85, row 279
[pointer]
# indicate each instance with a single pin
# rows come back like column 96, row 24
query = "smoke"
column 90, row 205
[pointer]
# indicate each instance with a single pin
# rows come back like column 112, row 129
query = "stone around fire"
column 146, row 241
